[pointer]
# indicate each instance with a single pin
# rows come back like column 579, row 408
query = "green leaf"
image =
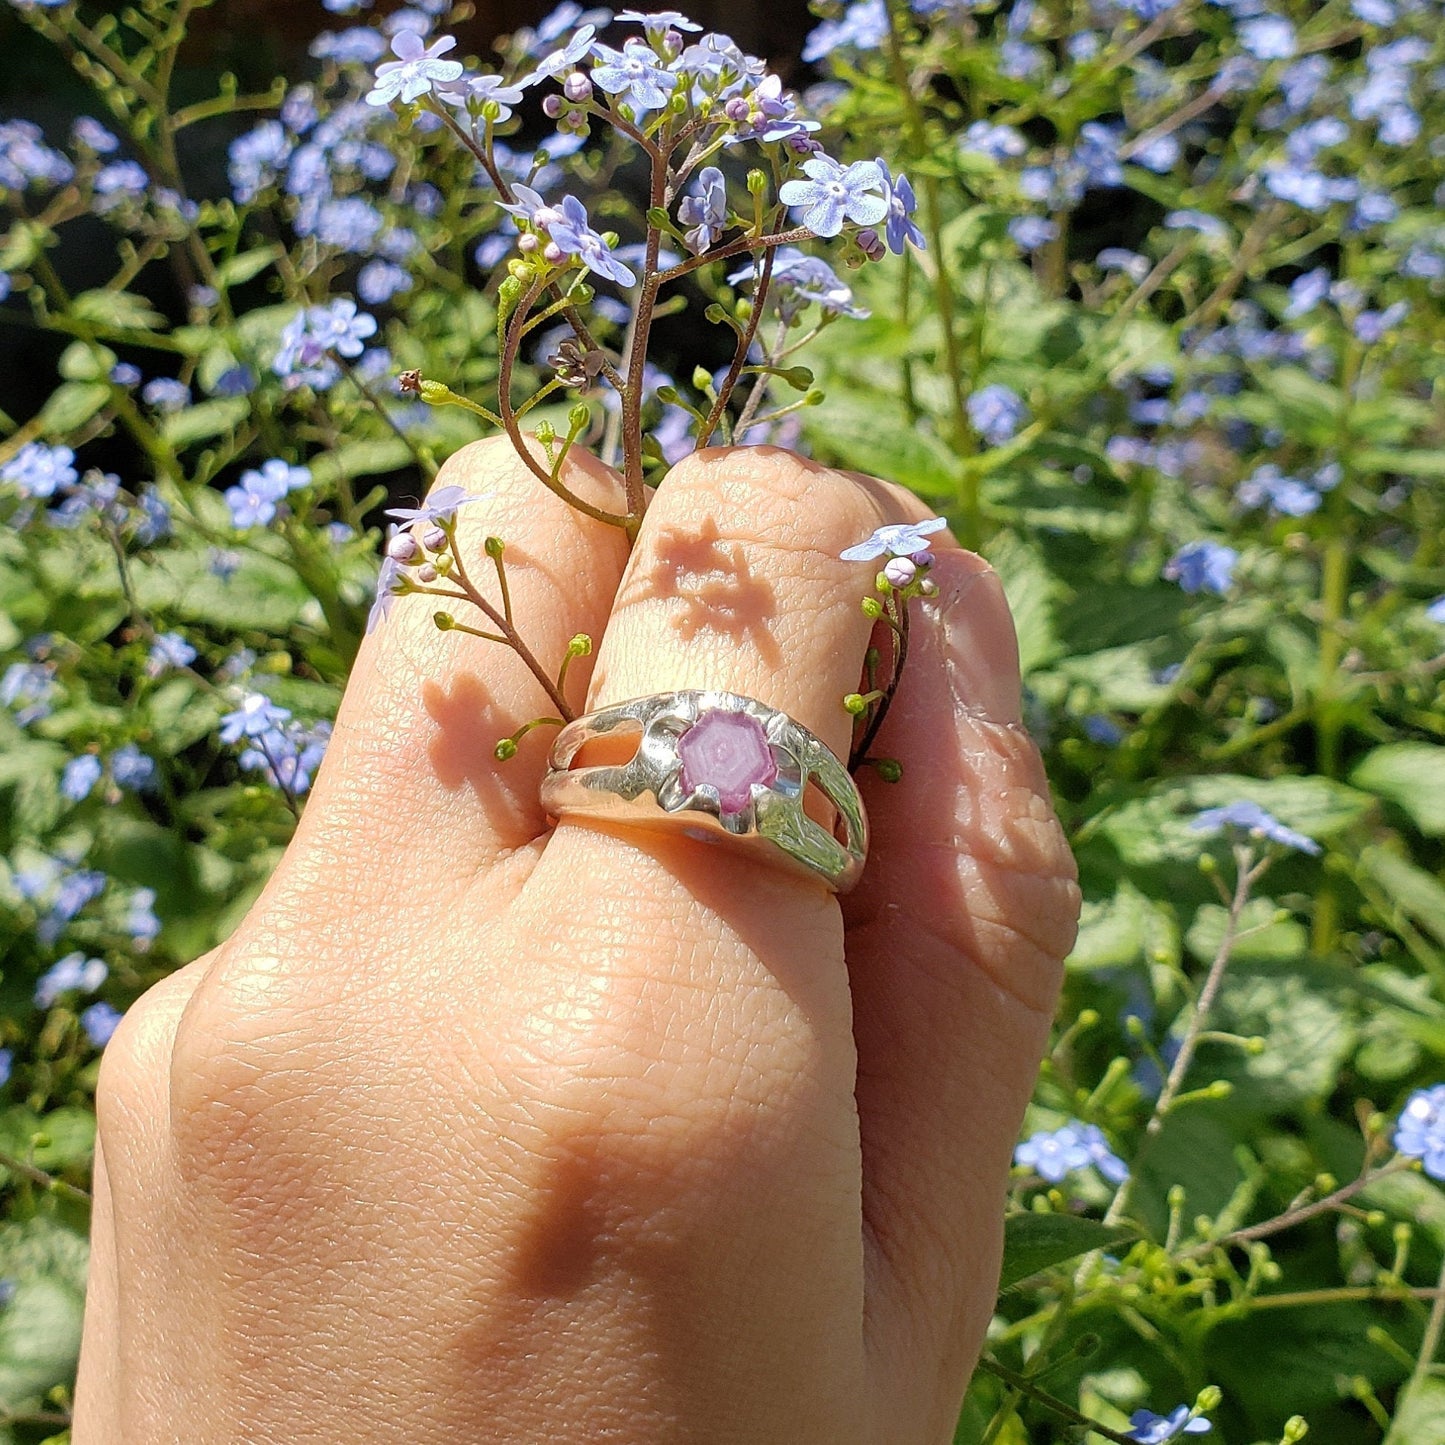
column 1307, row 1039
column 1266, row 939
column 1418, row 894
column 1155, row 828
column 1419, row 1414
column 360, row 459
column 1126, row 929
column 85, row 361
column 1410, row 775
column 240, row 269
column 205, row 419
column 122, row 309
column 848, row 430
column 1033, row 1243
column 70, row 1132
column 40, row 1328
column 1031, row 591
column 71, row 405
column 264, row 593
column 1401, row 463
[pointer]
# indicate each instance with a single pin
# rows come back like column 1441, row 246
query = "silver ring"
column 715, row 765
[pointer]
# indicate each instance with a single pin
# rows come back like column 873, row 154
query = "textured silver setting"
column 648, row 789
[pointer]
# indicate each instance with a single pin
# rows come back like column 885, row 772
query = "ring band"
column 715, row 765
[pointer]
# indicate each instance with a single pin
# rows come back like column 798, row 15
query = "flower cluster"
column 1054, row 1154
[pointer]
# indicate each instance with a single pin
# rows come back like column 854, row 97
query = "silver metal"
column 647, row 791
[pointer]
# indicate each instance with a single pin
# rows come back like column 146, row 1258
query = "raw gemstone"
column 728, row 751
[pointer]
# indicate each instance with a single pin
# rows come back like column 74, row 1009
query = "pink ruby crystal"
column 728, row 751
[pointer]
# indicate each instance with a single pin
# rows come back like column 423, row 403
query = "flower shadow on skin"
column 718, row 590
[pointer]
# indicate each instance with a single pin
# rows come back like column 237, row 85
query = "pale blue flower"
column 166, row 394
column 132, row 769
column 440, row 506
column 417, row 69
column 573, row 235
column 902, row 203
column 1268, row 37
column 1420, row 1132
column 79, row 777
column 996, row 412
column 1254, row 820
column 1028, row 233
column 1202, row 567
column 834, row 193
column 38, row 470
column 896, row 539
column 257, row 714
column 635, row 73
column 169, row 650
column 1150, row 1429
column 1054, row 1154
column 566, row 58
column 706, row 213
column 75, row 973
column 100, row 1021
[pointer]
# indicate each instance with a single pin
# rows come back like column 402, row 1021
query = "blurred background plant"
column 1172, row 359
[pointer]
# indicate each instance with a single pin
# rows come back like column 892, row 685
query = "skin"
column 479, row 1129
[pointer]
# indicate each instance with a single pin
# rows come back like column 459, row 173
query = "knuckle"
column 788, row 501
column 135, row 1064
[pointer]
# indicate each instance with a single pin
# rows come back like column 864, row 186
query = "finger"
column 692, row 1000
column 736, row 583
column 955, row 939
column 97, row 1396
column 411, row 785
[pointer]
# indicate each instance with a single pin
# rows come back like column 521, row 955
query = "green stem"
column 970, row 529
column 1025, row 1386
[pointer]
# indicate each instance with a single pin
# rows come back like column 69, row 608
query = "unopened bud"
column 519, row 270
column 580, row 646
column 900, row 571
column 552, row 106
column 702, row 378
column 855, row 703
column 928, row 587
column 426, row 574
column 493, row 547
column 527, row 244
column 872, row 607
column 889, row 769
column 403, row 548
column 505, row 749
column 444, row 621
column 577, row 87
column 922, row 559
column 757, row 183
column 579, row 416
column 736, row 109
column 871, row 244
column 553, row 254
column 434, row 539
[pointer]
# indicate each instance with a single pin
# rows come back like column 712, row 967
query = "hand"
column 481, row 1131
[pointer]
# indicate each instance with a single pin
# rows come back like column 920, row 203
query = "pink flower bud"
column 426, row 574
column 900, row 571
column 577, row 87
column 923, row 559
column 434, row 539
column 871, row 244
column 403, row 548
column 552, row 253
column 552, row 107
column 736, row 109
column 527, row 244
column 545, row 216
